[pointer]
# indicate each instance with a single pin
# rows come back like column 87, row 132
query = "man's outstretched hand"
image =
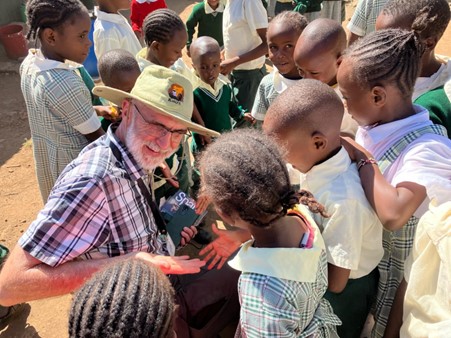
column 172, row 265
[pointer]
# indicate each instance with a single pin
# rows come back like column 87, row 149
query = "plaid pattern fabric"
column 397, row 244
column 57, row 103
column 264, row 97
column 95, row 210
column 363, row 21
column 275, row 307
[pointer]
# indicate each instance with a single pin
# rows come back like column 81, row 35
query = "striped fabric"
column 59, row 112
column 276, row 307
column 363, row 21
column 95, row 210
column 397, row 244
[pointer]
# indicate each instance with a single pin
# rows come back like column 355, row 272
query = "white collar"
column 295, row 264
column 144, row 1
column 38, row 62
column 111, row 17
column 326, row 171
column 209, row 10
column 396, row 129
column 219, row 83
column 280, row 82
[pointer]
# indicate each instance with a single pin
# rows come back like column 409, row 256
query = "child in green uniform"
column 207, row 17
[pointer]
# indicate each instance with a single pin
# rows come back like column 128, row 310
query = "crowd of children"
column 366, row 125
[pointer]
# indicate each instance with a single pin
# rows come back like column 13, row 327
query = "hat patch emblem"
column 176, row 93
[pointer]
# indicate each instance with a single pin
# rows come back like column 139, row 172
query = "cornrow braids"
column 160, row 26
column 428, row 17
column 50, row 14
column 292, row 19
column 243, row 172
column 387, row 56
column 128, row 299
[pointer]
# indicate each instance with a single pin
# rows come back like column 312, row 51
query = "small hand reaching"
column 172, row 265
column 187, row 235
column 167, row 174
column 249, row 118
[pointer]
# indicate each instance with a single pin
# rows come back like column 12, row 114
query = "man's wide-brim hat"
column 164, row 91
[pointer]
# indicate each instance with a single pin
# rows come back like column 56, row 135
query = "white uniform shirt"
column 112, row 31
column 353, row 233
column 425, row 161
column 240, row 22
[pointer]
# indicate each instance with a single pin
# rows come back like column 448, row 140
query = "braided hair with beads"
column 128, row 299
column 160, row 26
column 243, row 172
column 50, row 14
column 387, row 56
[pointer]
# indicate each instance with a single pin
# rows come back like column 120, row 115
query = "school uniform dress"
column 281, row 289
column 139, row 9
column 269, row 88
column 407, row 150
column 208, row 22
column 112, row 31
column 241, row 19
column 352, row 236
column 428, row 276
column 363, row 21
column 60, row 113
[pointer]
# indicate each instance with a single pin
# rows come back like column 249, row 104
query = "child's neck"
column 108, row 8
column 49, row 54
column 286, row 232
column 429, row 64
column 292, row 76
column 151, row 58
column 334, row 151
column 397, row 111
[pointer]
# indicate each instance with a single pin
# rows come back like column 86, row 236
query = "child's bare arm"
column 337, row 278
column 393, row 205
column 228, row 65
column 395, row 318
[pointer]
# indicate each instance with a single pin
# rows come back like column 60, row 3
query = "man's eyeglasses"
column 159, row 130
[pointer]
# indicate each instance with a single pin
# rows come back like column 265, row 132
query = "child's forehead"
column 278, row 28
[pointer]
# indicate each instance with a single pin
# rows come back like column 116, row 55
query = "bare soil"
column 20, row 199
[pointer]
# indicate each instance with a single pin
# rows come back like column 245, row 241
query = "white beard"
column 135, row 145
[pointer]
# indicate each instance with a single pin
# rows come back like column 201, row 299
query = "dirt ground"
column 20, row 200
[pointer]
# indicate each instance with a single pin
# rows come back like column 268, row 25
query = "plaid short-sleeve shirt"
column 95, row 210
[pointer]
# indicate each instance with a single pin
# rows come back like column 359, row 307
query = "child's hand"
column 356, row 151
column 108, row 112
column 202, row 204
column 218, row 251
column 228, row 65
column 187, row 235
column 171, row 179
column 249, row 118
column 204, row 139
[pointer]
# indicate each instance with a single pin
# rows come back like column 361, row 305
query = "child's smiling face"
column 281, row 43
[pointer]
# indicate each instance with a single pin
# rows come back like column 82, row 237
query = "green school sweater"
column 307, row 6
column 215, row 111
column 208, row 24
column 439, row 107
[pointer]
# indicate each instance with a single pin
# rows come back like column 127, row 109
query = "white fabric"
column 112, row 31
column 279, row 262
column 144, row 1
column 427, row 303
column 353, row 233
column 426, row 161
column 219, row 83
column 447, row 89
column 240, row 22
column 438, row 79
column 280, row 82
column 209, row 10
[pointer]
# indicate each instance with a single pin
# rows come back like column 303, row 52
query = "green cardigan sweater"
column 208, row 24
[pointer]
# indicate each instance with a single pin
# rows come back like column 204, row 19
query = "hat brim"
column 117, row 96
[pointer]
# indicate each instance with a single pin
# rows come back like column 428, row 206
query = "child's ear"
column 430, row 43
column 319, row 140
column 379, row 95
column 155, row 45
column 48, row 35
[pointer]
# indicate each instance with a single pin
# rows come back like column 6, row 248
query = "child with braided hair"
column 433, row 18
column 127, row 299
column 61, row 115
column 353, row 232
column 284, row 269
column 401, row 151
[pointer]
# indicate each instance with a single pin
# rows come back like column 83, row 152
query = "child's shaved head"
column 320, row 36
column 202, row 46
column 309, row 105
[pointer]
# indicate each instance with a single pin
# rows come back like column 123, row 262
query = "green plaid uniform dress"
column 397, row 244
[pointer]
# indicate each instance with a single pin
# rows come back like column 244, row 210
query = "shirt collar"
column 395, row 129
column 280, row 82
column 128, row 162
column 111, row 17
column 209, row 10
column 295, row 264
column 39, row 63
column 219, row 83
column 314, row 179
